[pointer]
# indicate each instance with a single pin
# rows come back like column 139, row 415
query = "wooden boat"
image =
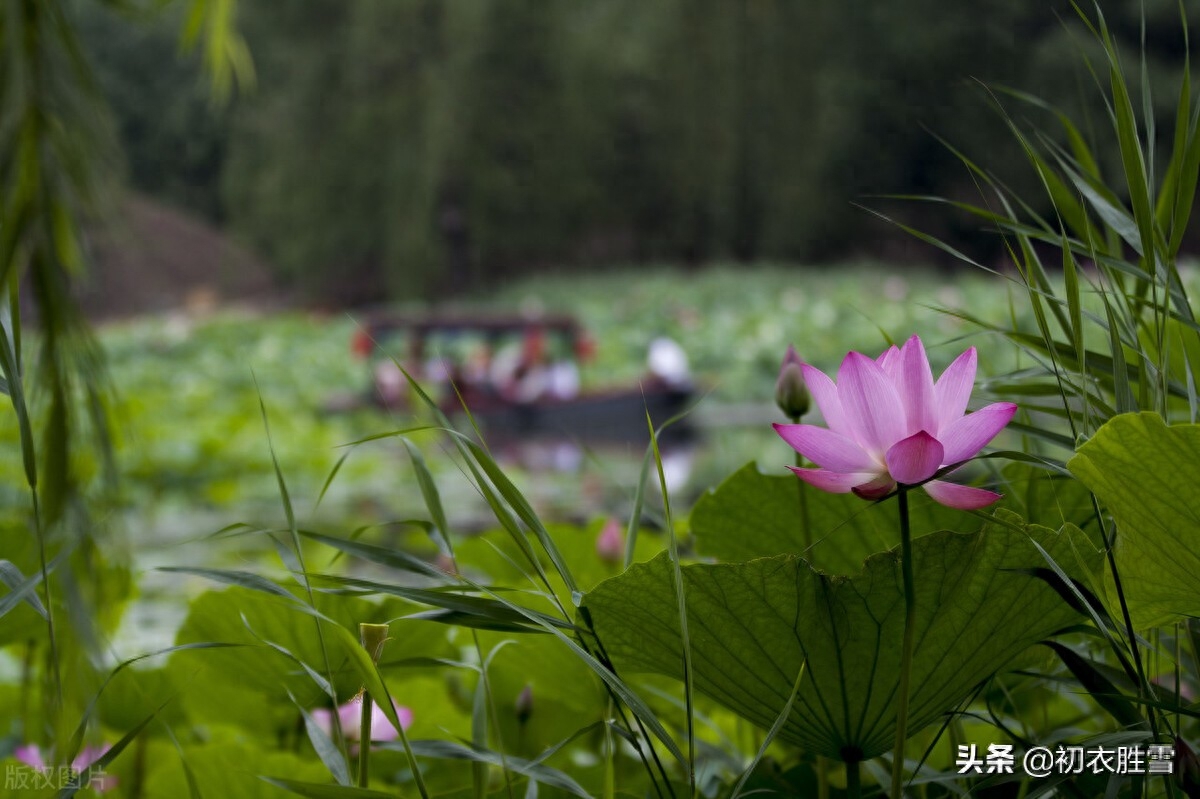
column 519, row 376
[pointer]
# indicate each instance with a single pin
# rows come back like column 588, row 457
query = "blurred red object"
column 585, row 348
column 362, row 344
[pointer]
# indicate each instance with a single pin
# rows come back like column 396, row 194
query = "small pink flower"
column 31, row 755
column 350, row 713
column 610, row 544
column 889, row 423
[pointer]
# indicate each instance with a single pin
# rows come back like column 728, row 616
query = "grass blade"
column 771, row 733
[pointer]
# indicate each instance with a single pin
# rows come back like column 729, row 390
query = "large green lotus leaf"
column 132, row 694
column 753, row 624
column 241, row 616
column 753, row 515
column 224, row 769
column 438, row 698
column 1147, row 474
column 496, row 559
column 567, row 695
column 1046, row 498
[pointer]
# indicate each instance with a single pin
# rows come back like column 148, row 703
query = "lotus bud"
column 610, row 544
column 373, row 637
column 524, row 704
column 791, row 393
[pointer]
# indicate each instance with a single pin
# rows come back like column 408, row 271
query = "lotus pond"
column 199, row 559
column 983, row 582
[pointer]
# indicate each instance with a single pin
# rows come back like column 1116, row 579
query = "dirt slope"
column 151, row 258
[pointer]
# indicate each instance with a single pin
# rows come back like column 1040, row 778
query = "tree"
column 53, row 145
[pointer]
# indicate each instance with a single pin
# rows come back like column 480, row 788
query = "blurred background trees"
column 400, row 148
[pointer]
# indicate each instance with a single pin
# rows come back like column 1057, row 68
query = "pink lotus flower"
column 31, row 755
column 610, row 543
column 350, row 713
column 890, row 423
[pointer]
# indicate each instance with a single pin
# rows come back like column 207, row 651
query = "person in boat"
column 391, row 386
column 562, row 379
column 530, row 372
column 667, row 365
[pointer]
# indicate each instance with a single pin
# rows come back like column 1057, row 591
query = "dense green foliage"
column 173, row 135
column 406, row 147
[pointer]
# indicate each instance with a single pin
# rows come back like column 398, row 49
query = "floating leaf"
column 753, row 624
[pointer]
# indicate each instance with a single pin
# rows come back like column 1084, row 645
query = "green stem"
column 56, row 701
column 801, row 488
column 906, row 653
column 822, row 768
column 1144, row 689
column 491, row 707
column 854, row 779
column 364, row 741
column 139, row 768
column 27, row 687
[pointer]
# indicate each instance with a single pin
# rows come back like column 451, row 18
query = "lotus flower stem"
column 364, row 741
column 854, row 779
column 891, row 428
column 821, row 766
column 793, row 398
column 802, row 488
column 822, row 769
column 373, row 638
column 906, row 652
